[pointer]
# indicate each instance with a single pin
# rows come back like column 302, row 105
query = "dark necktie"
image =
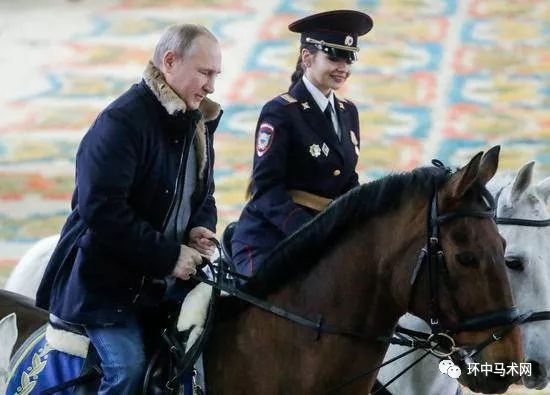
column 328, row 115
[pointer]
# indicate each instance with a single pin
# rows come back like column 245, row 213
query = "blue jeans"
column 122, row 355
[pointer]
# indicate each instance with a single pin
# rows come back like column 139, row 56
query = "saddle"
column 168, row 364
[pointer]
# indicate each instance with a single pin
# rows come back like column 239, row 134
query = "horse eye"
column 514, row 263
column 467, row 259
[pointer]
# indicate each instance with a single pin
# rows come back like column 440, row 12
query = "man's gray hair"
column 178, row 38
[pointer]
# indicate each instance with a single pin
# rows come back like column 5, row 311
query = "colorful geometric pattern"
column 435, row 78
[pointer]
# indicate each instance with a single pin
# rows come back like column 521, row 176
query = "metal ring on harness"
column 436, row 343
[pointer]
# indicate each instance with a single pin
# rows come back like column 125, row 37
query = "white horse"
column 27, row 274
column 528, row 261
column 8, row 337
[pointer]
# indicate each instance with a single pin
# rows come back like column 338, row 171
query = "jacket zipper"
column 175, row 192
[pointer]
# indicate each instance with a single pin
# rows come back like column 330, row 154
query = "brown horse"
column 356, row 268
column 355, row 265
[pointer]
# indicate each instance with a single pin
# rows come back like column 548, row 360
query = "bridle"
column 433, row 257
column 538, row 223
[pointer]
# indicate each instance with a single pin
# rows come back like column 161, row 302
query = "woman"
column 307, row 140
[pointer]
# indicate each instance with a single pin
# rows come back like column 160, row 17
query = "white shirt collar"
column 318, row 96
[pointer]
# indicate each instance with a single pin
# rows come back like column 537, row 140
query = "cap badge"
column 314, row 150
column 305, row 105
column 348, row 41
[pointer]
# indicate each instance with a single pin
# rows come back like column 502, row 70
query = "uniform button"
column 167, row 191
column 336, row 172
column 176, row 141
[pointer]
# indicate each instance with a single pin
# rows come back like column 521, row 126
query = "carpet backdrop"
column 436, row 78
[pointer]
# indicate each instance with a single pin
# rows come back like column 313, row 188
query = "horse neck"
column 363, row 280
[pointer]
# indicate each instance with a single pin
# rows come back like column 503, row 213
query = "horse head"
column 523, row 222
column 462, row 288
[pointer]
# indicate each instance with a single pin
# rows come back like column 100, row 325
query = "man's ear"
column 168, row 60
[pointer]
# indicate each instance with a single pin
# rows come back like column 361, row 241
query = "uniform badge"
column 265, row 138
column 325, row 149
column 341, row 105
column 353, row 138
column 314, row 150
column 305, row 106
column 348, row 41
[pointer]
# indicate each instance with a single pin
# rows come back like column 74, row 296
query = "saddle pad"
column 36, row 367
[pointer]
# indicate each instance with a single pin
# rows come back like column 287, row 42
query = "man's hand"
column 187, row 262
column 199, row 239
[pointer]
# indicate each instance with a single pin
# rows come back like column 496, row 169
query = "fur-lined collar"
column 170, row 100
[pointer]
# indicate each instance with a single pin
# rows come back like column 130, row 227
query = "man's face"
column 193, row 76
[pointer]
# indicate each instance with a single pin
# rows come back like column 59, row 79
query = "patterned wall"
column 436, row 78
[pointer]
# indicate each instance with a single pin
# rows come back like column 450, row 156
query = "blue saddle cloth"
column 37, row 367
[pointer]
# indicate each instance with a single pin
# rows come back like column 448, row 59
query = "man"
column 143, row 206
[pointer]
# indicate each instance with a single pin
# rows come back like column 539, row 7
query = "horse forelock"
column 297, row 254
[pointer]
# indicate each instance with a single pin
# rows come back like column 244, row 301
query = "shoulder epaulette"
column 288, row 98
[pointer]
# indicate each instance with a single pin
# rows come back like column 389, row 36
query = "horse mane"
column 297, row 254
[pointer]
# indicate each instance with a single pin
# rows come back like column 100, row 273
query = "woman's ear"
column 307, row 57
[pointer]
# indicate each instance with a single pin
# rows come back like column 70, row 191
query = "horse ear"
column 8, row 337
column 489, row 165
column 543, row 188
column 522, row 181
column 463, row 179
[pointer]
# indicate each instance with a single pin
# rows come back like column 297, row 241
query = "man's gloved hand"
column 199, row 239
column 187, row 262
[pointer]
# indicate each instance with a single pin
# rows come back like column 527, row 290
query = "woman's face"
column 325, row 72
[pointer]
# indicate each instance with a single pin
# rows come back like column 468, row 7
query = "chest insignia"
column 305, row 106
column 325, row 149
column 315, row 150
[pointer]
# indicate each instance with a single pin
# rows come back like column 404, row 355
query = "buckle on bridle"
column 435, row 341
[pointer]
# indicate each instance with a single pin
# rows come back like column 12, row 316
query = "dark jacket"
column 296, row 148
column 128, row 167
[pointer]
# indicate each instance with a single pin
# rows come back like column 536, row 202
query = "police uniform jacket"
column 296, row 149
column 128, row 167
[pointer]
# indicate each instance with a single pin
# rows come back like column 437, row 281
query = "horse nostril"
column 536, row 369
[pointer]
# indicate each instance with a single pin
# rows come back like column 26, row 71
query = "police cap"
column 334, row 32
